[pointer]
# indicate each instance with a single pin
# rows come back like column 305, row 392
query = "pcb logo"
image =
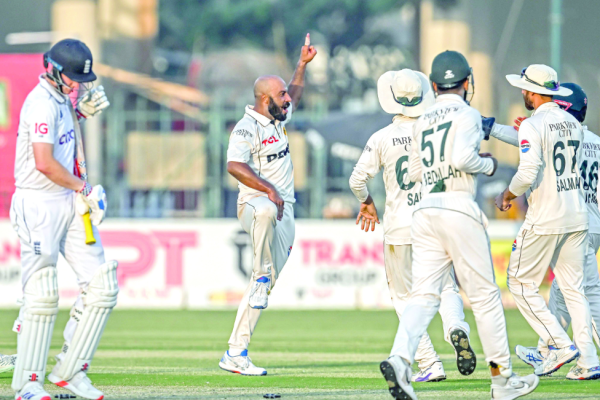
column 525, row 146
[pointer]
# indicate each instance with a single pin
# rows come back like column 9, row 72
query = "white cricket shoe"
column 80, row 385
column 259, row 296
column 466, row 361
column 515, row 387
column 241, row 364
column 556, row 359
column 529, row 355
column 397, row 374
column 7, row 363
column 583, row 374
column 32, row 391
column 434, row 373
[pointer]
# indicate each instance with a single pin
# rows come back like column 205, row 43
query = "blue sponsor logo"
column 514, row 246
column 67, row 137
column 525, row 146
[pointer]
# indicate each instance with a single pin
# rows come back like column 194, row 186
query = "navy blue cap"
column 575, row 103
column 72, row 58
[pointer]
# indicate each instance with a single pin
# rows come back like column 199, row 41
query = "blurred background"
column 178, row 74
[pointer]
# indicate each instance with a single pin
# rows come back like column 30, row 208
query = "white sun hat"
column 539, row 78
column 405, row 92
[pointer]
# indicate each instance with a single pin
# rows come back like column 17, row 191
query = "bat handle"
column 89, row 233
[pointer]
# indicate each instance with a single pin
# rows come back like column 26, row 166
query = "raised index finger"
column 307, row 40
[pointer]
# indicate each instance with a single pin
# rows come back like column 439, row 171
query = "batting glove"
column 486, row 125
column 92, row 103
column 94, row 203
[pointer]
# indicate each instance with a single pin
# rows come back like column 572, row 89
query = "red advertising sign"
column 18, row 76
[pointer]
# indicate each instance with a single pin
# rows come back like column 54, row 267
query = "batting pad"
column 99, row 299
column 33, row 343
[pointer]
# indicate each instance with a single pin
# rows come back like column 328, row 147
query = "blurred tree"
column 203, row 25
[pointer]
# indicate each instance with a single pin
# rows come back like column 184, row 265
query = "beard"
column 277, row 111
column 528, row 103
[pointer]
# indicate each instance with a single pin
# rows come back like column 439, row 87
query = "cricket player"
column 259, row 158
column 406, row 94
column 449, row 230
column 576, row 105
column 45, row 213
column 555, row 231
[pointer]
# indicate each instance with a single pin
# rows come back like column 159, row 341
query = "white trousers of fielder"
column 437, row 247
column 398, row 269
column 565, row 254
column 591, row 288
column 272, row 242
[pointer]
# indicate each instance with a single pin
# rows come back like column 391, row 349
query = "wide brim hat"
column 405, row 92
column 540, row 79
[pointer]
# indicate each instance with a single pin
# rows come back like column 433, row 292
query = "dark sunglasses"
column 550, row 85
column 404, row 100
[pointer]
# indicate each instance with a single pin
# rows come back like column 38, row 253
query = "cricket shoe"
column 529, row 355
column 259, row 295
column 515, row 387
column 466, row 361
column 241, row 364
column 583, row 374
column 434, row 373
column 7, row 363
column 397, row 374
column 80, row 385
column 32, row 391
column 556, row 359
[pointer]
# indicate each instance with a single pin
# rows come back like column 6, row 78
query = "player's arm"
column 368, row 165
column 296, row 85
column 241, row 146
column 414, row 162
column 504, row 133
column 243, row 173
column 465, row 156
column 529, row 165
column 55, row 171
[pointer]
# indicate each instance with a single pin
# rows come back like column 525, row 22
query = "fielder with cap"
column 406, row 94
column 45, row 216
column 555, row 231
column 589, row 157
column 446, row 160
column 258, row 156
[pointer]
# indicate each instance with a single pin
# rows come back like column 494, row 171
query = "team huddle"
column 434, row 231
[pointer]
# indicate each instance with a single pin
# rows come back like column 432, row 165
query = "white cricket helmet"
column 405, row 92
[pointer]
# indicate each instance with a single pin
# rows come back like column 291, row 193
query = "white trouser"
column 272, row 242
column 591, row 288
column 442, row 239
column 47, row 225
column 398, row 269
column 529, row 262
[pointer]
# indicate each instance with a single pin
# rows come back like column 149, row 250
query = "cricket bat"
column 82, row 170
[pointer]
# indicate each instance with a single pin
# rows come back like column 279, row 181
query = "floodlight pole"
column 555, row 34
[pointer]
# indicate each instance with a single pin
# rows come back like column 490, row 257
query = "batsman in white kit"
column 259, row 158
column 47, row 213
column 589, row 158
column 449, row 231
column 407, row 94
column 555, row 231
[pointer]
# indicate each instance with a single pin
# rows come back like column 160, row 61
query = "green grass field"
column 308, row 355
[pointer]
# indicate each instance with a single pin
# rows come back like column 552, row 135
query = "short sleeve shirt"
column 263, row 144
column 45, row 118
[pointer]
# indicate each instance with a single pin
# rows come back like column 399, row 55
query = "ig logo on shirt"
column 525, row 146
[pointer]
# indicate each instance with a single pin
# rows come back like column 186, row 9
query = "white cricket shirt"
column 45, row 118
column 445, row 156
column 389, row 149
column 263, row 144
column 550, row 144
column 590, row 154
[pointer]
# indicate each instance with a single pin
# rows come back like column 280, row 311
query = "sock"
column 499, row 380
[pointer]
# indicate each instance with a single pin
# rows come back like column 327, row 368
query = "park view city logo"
column 4, row 105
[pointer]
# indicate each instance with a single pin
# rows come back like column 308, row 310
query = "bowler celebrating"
column 259, row 158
